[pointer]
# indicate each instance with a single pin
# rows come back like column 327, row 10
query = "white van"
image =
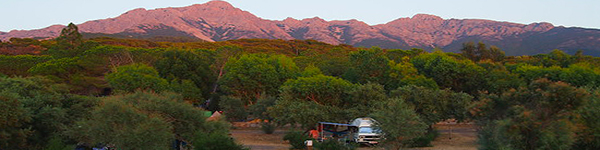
column 366, row 133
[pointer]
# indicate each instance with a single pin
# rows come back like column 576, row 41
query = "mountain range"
column 219, row 21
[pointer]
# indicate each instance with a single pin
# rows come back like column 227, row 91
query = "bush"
column 233, row 108
column 56, row 143
column 425, row 140
column 296, row 139
column 334, row 145
column 215, row 141
column 268, row 127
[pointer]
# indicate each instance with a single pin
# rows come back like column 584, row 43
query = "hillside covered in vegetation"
column 143, row 94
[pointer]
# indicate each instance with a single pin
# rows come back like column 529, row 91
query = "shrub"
column 425, row 140
column 233, row 108
column 296, row 139
column 215, row 141
column 334, row 145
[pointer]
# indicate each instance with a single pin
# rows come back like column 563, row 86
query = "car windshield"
column 365, row 130
column 368, row 130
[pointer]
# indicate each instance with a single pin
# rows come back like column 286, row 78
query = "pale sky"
column 35, row 14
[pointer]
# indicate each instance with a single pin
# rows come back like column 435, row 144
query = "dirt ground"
column 452, row 137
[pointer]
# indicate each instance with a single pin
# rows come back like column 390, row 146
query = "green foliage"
column 398, row 55
column 499, row 79
column 481, row 52
column 539, row 116
column 311, row 71
column 69, row 37
column 424, row 140
column 332, row 144
column 233, row 108
column 433, row 105
column 448, row 72
column 41, row 109
column 19, row 64
column 589, row 132
column 56, row 68
column 321, row 89
column 364, row 98
column 215, row 141
column 251, row 75
column 188, row 65
column 125, row 126
column 13, row 120
column 404, row 73
column 56, row 143
column 296, row 139
column 305, row 113
column 143, row 120
column 399, row 123
column 133, row 77
column 187, row 89
column 576, row 74
column 259, row 110
column 368, row 66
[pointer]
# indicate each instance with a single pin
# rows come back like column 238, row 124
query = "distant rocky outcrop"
column 219, row 21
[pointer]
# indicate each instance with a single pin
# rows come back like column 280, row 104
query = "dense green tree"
column 143, row 120
column 133, row 77
column 448, row 72
column 539, row 116
column 404, row 73
column 482, row 52
column 576, row 74
column 19, row 64
column 69, row 37
column 13, row 120
column 44, row 110
column 399, row 122
column 233, row 108
column 499, row 79
column 259, row 110
column 321, row 89
column 398, row 55
column 588, row 134
column 188, row 65
column 434, row 105
column 187, row 89
column 222, row 56
column 215, row 141
column 368, row 66
column 117, row 123
column 364, row 98
column 496, row 54
column 252, row 75
column 305, row 113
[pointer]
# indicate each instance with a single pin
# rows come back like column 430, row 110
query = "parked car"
column 366, row 134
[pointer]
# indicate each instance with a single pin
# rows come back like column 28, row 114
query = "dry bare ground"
column 452, row 137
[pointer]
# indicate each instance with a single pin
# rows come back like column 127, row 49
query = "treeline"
column 70, row 90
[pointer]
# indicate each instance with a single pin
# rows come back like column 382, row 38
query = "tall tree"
column 70, row 37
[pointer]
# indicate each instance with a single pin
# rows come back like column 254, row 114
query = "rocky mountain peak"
column 427, row 17
column 218, row 4
column 219, row 20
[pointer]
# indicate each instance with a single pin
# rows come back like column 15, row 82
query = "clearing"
column 463, row 137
